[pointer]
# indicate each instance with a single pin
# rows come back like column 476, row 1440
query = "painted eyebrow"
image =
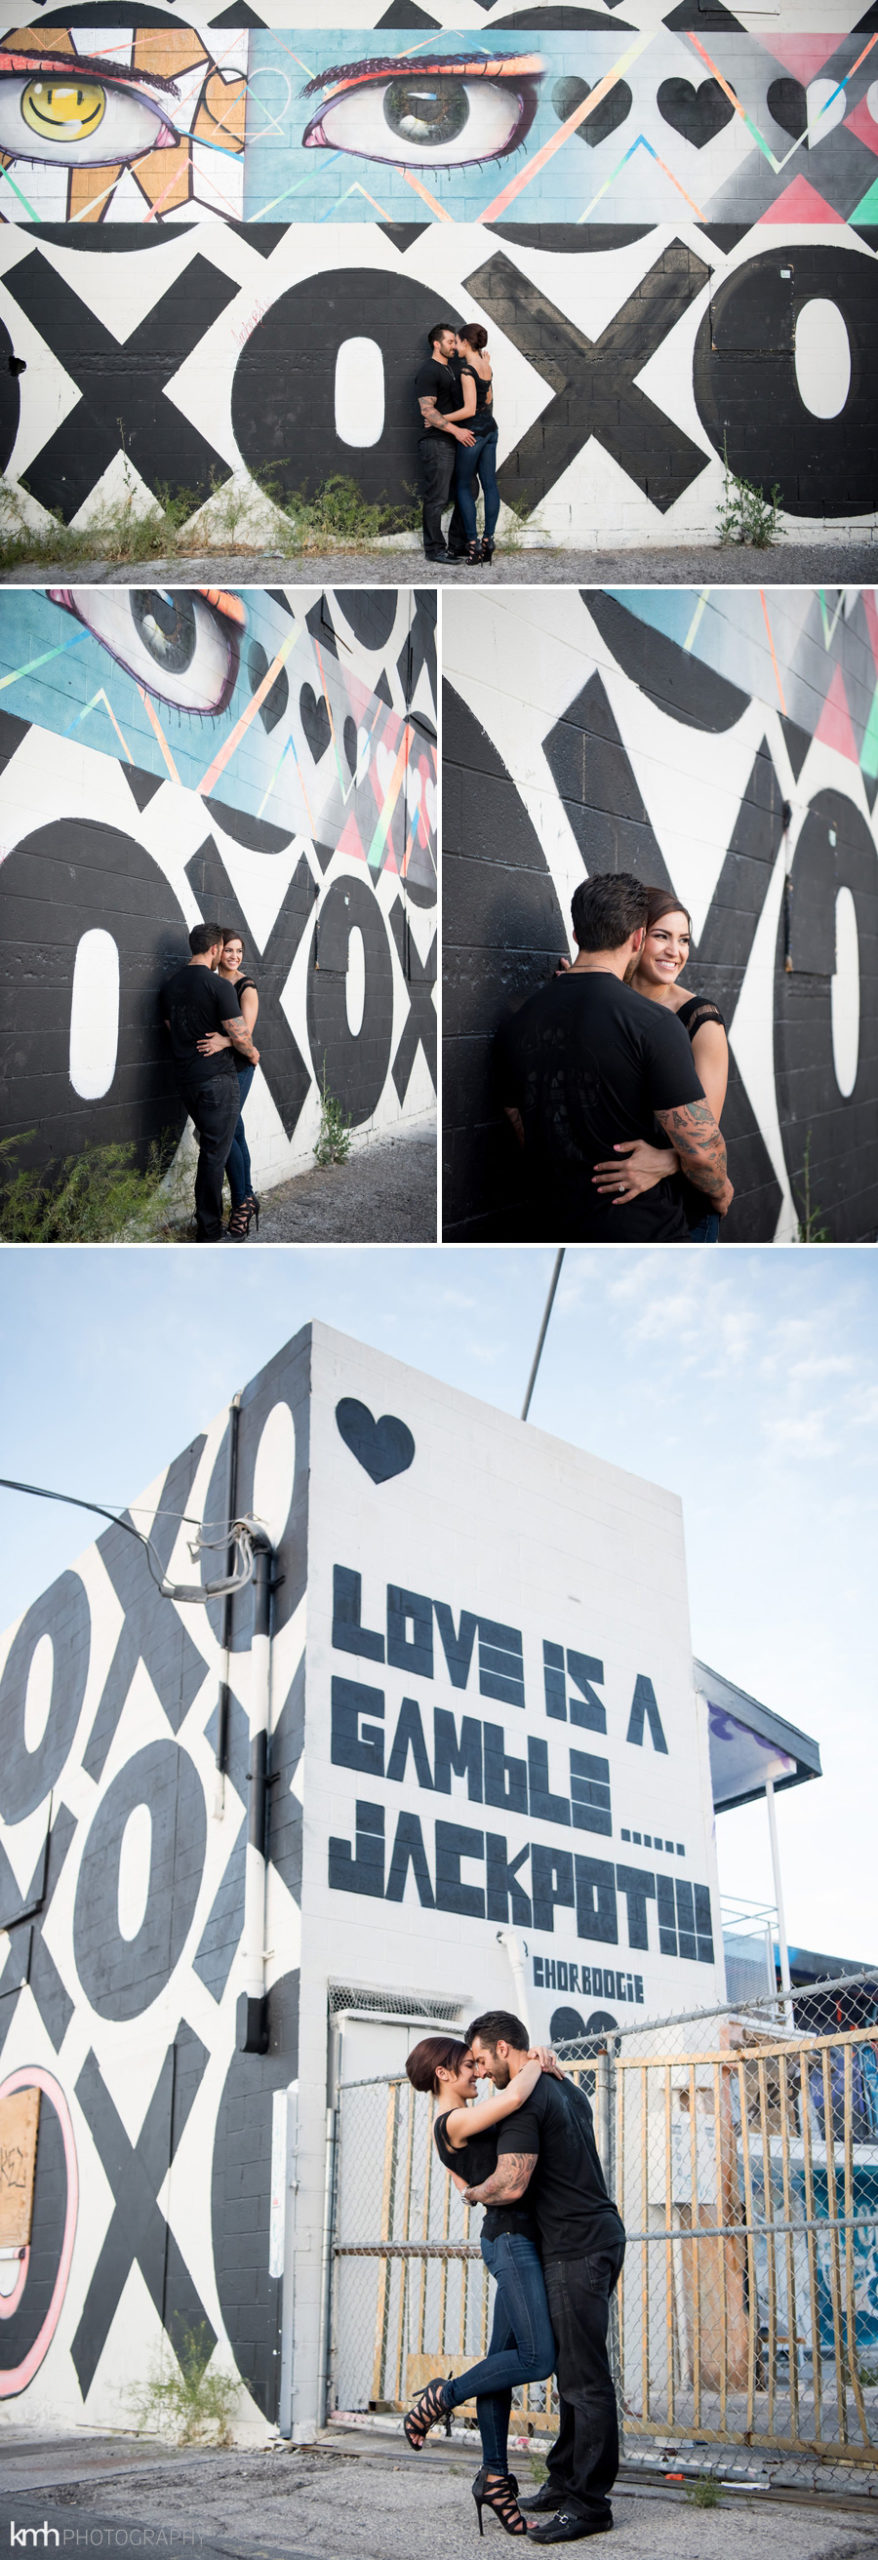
column 86, row 66
column 499, row 67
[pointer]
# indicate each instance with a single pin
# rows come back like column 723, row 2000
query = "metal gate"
column 743, row 2152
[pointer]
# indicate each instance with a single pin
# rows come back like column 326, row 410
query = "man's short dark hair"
column 438, row 330
column 498, row 2026
column 204, row 937
column 606, row 909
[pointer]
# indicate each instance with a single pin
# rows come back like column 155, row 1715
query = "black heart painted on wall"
column 384, row 1448
column 699, row 114
column 275, row 703
column 788, row 104
column 350, row 743
column 567, row 95
column 315, row 721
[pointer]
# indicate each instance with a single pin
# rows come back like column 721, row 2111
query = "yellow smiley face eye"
column 64, row 110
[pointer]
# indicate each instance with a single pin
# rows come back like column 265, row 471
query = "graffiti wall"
column 422, row 1794
column 723, row 744
column 668, row 224
column 265, row 760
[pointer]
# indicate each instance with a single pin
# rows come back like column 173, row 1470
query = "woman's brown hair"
column 474, row 334
column 662, row 902
column 423, row 2063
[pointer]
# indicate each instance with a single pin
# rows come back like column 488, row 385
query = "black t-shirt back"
column 588, row 1063
column 196, row 1001
column 475, row 2161
column 439, row 382
column 574, row 2213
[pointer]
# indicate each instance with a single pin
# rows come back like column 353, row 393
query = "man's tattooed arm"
column 507, row 2181
column 701, row 1150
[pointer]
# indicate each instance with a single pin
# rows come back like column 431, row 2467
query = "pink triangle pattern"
column 834, row 727
column 800, row 202
column 870, row 609
column 803, row 55
column 863, row 125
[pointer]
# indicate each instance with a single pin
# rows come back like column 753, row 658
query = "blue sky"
column 746, row 1381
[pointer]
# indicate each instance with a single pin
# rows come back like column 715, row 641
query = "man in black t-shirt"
column 548, row 2151
column 195, row 1003
column 586, row 1064
column 437, row 389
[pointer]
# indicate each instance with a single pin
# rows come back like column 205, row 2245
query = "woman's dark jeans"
column 238, row 1161
column 479, row 457
column 706, row 1231
column 521, row 2349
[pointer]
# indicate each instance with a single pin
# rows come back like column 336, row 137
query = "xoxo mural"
column 724, row 745
column 264, row 760
column 125, row 1759
column 669, row 228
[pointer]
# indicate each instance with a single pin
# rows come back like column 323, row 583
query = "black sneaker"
column 545, row 2500
column 437, row 555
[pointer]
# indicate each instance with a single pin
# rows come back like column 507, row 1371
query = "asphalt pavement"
column 355, row 2500
column 786, row 564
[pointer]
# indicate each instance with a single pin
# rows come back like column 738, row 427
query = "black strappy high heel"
column 474, row 555
column 487, row 548
column 502, row 2496
column 251, row 1204
column 429, row 2407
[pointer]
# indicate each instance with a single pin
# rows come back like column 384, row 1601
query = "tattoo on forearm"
column 700, row 1146
column 508, row 2180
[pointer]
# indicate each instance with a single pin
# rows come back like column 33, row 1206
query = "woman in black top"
column 245, row 1205
column 522, row 2347
column 663, row 955
column 478, row 459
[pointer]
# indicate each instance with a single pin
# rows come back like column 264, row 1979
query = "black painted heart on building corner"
column 384, row 1448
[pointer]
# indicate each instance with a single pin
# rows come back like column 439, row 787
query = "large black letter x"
column 420, row 1024
column 138, row 2229
column 53, row 2002
column 283, row 1066
column 153, row 1631
column 122, row 406
column 593, row 381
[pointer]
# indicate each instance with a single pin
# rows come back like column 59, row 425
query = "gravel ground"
column 361, row 2503
column 385, row 1194
column 850, row 564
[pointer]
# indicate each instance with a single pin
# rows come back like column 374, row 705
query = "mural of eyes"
column 182, row 646
column 432, row 114
column 68, row 113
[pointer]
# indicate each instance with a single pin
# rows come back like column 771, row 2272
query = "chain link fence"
column 741, row 2145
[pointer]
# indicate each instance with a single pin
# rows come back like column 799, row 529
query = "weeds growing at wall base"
column 99, row 1196
column 173, row 528
column 744, row 513
column 333, row 1145
column 191, row 2405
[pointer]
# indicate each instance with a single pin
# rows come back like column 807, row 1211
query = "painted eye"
column 177, row 645
column 74, row 120
column 437, row 118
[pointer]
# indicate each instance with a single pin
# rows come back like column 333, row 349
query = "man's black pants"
column 584, row 2459
column 436, row 455
column 214, row 1107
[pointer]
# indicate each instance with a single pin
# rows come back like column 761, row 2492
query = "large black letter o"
column 747, row 392
column 122, row 1976
column 356, row 1063
column 283, row 395
column 27, row 1777
column 841, row 1134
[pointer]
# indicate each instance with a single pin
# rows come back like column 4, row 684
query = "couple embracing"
column 554, row 2243
column 457, row 446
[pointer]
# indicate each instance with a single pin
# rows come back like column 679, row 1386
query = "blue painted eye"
column 427, row 117
column 176, row 644
column 76, row 120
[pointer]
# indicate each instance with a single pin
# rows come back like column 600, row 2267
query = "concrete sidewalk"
column 786, row 564
column 349, row 2499
column 385, row 1194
